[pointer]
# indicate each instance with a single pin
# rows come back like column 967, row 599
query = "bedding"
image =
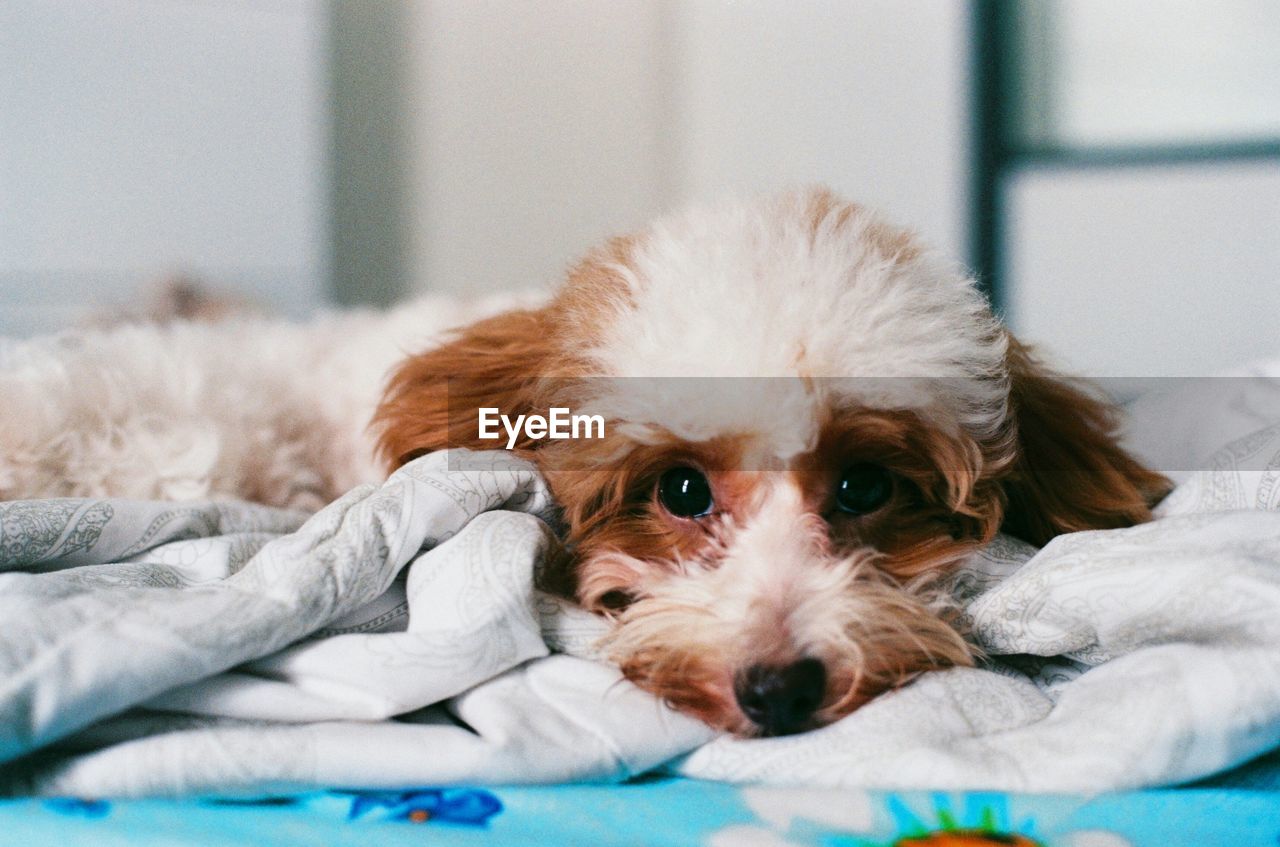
column 154, row 649
column 291, row 668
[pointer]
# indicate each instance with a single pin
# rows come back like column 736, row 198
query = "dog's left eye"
column 863, row 488
column 685, row 493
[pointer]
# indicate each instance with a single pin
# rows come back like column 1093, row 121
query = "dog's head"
column 809, row 418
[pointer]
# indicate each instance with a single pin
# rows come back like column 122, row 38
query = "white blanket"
column 150, row 648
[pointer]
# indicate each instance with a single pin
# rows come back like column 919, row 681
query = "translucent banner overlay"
column 1173, row 425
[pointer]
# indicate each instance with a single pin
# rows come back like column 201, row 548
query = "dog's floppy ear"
column 432, row 400
column 1071, row 473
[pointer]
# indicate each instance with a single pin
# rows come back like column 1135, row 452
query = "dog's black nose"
column 781, row 699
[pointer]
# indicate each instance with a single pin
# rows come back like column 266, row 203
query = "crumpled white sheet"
column 235, row 649
column 268, row 652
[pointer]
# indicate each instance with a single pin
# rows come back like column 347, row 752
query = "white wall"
column 539, row 128
column 144, row 137
column 1147, row 271
column 1135, row 71
column 534, row 131
column 868, row 96
column 141, row 138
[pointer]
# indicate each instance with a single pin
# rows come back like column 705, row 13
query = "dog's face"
column 809, row 420
column 761, row 591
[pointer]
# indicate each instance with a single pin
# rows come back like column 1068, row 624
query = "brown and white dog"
column 810, row 419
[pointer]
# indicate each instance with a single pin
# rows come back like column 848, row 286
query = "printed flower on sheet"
column 472, row 806
column 805, row 818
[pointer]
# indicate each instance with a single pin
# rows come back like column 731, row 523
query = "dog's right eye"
column 685, row 493
column 616, row 600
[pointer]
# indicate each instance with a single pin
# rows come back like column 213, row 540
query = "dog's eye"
column 863, row 488
column 685, row 493
column 616, row 600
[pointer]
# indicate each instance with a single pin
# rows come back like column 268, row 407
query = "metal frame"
column 989, row 37
column 998, row 149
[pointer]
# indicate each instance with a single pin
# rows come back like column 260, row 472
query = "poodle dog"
column 810, row 419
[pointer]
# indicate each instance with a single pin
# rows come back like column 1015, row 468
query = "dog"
column 810, row 419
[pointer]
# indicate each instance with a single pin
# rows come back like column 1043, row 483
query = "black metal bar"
column 1139, row 155
column 987, row 76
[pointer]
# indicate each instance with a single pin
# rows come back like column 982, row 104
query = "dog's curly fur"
column 243, row 407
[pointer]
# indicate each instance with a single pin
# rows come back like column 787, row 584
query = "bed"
column 334, row 678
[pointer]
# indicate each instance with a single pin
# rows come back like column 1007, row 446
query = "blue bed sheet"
column 658, row 812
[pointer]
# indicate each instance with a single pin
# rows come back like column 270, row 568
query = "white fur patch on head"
column 783, row 413
column 804, row 287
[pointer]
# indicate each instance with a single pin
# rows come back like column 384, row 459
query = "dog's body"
column 766, row 545
column 243, row 407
